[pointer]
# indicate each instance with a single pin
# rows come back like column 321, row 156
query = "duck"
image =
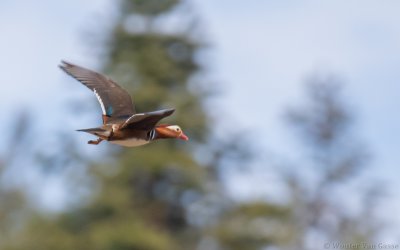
column 121, row 124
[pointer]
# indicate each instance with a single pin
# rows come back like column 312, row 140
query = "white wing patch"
column 100, row 101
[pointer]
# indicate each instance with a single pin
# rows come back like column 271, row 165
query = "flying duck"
column 121, row 124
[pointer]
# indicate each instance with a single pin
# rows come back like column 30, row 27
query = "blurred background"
column 290, row 110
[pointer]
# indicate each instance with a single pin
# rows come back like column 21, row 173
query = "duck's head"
column 170, row 131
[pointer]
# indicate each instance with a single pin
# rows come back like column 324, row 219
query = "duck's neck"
column 152, row 135
column 155, row 135
column 160, row 133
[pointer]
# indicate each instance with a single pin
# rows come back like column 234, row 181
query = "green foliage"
column 149, row 7
column 253, row 226
column 13, row 201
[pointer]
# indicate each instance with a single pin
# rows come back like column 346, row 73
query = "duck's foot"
column 95, row 142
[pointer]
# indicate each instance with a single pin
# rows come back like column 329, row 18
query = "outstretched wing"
column 146, row 121
column 115, row 102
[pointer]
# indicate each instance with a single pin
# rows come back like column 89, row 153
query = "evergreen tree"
column 323, row 182
column 158, row 196
column 13, row 201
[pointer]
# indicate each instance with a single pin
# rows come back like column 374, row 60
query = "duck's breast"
column 131, row 142
column 130, row 138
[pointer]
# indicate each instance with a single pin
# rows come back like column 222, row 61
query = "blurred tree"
column 329, row 202
column 12, row 198
column 165, row 195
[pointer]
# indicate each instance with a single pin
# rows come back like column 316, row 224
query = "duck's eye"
column 177, row 129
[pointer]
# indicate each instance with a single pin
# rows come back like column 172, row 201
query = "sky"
column 264, row 50
column 261, row 53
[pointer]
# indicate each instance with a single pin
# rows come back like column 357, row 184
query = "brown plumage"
column 121, row 124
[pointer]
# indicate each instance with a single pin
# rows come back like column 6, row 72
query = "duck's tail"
column 102, row 133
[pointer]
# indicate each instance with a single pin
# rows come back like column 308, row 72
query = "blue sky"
column 262, row 51
column 265, row 49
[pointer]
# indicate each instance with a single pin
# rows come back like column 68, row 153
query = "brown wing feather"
column 146, row 121
column 114, row 100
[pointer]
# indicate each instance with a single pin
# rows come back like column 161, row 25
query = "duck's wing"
column 146, row 121
column 115, row 101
